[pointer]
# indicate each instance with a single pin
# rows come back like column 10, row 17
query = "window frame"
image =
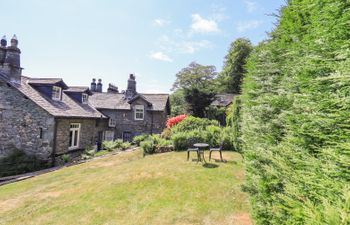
column 139, row 107
column 54, row 93
column 84, row 98
column 107, row 134
column 112, row 122
column 75, row 138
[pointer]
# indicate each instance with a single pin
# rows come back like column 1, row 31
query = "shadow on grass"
column 210, row 165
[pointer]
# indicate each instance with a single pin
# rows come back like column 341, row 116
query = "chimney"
column 99, row 86
column 93, row 85
column 3, row 44
column 11, row 64
column 112, row 88
column 131, row 89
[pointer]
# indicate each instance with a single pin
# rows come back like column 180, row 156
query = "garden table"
column 201, row 147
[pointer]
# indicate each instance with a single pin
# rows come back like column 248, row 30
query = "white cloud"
column 160, row 56
column 243, row 26
column 190, row 47
column 250, row 5
column 160, row 22
column 183, row 45
column 201, row 25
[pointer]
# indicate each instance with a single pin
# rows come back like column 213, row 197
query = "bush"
column 166, row 134
column 175, row 120
column 65, row 158
column 227, row 139
column 113, row 145
column 125, row 145
column 193, row 123
column 138, row 139
column 185, row 140
column 18, row 162
column 148, row 147
column 213, row 135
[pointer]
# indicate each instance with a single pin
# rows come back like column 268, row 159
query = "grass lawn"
column 129, row 189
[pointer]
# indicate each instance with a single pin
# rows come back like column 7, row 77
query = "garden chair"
column 219, row 149
column 192, row 150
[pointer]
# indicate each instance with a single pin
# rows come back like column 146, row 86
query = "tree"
column 198, row 101
column 178, row 103
column 231, row 77
column 195, row 76
column 196, row 82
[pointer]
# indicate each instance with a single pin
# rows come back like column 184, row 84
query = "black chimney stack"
column 93, row 85
column 99, row 86
column 131, row 89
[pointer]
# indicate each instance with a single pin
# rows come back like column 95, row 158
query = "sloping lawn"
column 129, row 189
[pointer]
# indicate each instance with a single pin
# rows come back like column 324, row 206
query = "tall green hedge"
column 295, row 117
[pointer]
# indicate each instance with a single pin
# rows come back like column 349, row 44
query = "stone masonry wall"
column 126, row 121
column 89, row 129
column 20, row 123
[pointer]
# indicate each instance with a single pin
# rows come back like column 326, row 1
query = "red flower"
column 175, row 120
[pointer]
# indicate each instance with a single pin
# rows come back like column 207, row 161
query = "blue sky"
column 81, row 39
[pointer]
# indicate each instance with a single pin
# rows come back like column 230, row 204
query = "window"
column 112, row 122
column 139, row 112
column 109, row 135
column 84, row 98
column 74, row 133
column 41, row 133
column 56, row 93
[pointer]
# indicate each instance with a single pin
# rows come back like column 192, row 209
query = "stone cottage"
column 130, row 113
column 43, row 117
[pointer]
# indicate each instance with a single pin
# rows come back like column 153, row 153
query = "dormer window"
column 56, row 93
column 139, row 112
column 84, row 98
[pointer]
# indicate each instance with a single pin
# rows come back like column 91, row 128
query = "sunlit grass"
column 129, row 189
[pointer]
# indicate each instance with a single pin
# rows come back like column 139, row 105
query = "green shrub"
column 125, row 145
column 138, row 139
column 213, row 135
column 113, row 145
column 18, row 162
column 148, row 147
column 295, row 117
column 65, row 158
column 166, row 134
column 184, row 140
column 227, row 139
column 193, row 123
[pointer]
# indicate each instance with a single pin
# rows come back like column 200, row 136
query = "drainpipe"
column 54, row 143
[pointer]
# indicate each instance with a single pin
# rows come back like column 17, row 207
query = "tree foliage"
column 197, row 84
column 178, row 103
column 231, row 77
column 195, row 75
column 295, row 117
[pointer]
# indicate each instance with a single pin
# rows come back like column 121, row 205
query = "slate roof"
column 117, row 101
column 67, row 107
column 78, row 89
column 223, row 100
column 44, row 81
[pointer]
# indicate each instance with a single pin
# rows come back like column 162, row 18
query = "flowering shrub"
column 175, row 120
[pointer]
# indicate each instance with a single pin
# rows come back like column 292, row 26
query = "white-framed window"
column 74, row 135
column 139, row 112
column 84, row 98
column 112, row 122
column 56, row 93
column 109, row 135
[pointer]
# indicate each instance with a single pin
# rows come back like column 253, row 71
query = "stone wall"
column 21, row 123
column 89, row 131
column 126, row 120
